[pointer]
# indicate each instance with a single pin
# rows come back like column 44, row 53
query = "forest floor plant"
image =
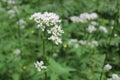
column 50, row 29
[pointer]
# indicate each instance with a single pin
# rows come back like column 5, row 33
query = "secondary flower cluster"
column 40, row 65
column 89, row 18
column 76, row 43
column 49, row 22
column 10, row 2
column 84, row 17
column 107, row 68
column 22, row 23
column 114, row 77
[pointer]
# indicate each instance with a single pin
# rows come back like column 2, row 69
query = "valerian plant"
column 50, row 29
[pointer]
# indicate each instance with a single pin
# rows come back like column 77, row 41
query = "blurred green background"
column 20, row 45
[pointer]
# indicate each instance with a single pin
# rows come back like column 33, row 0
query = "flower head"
column 40, row 65
column 91, row 28
column 17, row 51
column 107, row 67
column 115, row 77
column 102, row 28
column 49, row 22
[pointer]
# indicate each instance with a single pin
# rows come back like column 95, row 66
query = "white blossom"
column 94, row 23
column 76, row 45
column 72, row 41
column 115, row 77
column 104, row 29
column 109, row 79
column 107, row 67
column 40, row 65
column 21, row 23
column 47, row 19
column 93, row 16
column 49, row 22
column 93, row 43
column 56, row 30
column 82, row 42
column 84, row 17
column 17, row 51
column 10, row 2
column 55, row 39
column 12, row 12
column 75, row 19
column 91, row 28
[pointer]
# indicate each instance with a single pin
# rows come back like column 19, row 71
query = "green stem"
column 44, row 54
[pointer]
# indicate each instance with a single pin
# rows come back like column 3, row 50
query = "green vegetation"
column 88, row 43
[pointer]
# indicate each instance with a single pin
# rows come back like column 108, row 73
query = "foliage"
column 70, row 60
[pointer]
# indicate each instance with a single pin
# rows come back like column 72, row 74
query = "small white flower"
column 84, row 17
column 40, row 65
column 104, row 29
column 21, row 23
column 109, row 79
column 95, row 43
column 56, row 30
column 94, row 23
column 107, row 67
column 75, row 19
column 82, row 42
column 55, row 39
column 55, row 54
column 76, row 45
column 91, row 28
column 115, row 77
column 93, row 16
column 12, row 12
column 17, row 51
column 72, row 41
column 10, row 2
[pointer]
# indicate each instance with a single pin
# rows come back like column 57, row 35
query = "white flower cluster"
column 91, row 28
column 104, row 29
column 114, row 77
column 84, row 17
column 107, row 67
column 12, row 12
column 49, row 21
column 21, row 23
column 76, row 43
column 93, row 43
column 40, row 65
column 10, row 2
column 17, row 51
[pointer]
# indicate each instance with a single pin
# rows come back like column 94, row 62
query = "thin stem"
column 52, row 48
column 44, row 53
